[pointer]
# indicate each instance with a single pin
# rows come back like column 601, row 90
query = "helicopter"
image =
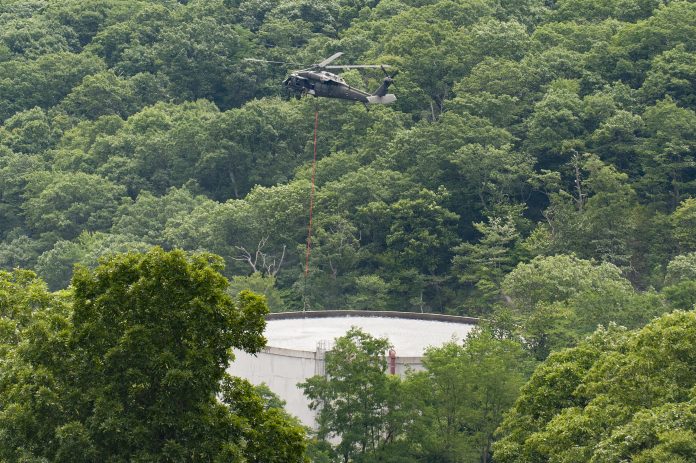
column 315, row 80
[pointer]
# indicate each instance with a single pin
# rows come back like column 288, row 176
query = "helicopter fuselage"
column 317, row 81
column 327, row 84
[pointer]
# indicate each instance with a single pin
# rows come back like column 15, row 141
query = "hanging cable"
column 311, row 208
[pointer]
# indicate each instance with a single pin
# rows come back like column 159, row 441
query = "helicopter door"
column 331, row 88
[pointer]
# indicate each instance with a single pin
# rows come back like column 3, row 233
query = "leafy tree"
column 253, row 13
column 670, row 25
column 283, row 32
column 556, row 64
column 105, row 93
column 42, row 82
column 335, row 255
column 136, row 370
column 357, row 401
column 670, row 74
column 155, row 149
column 595, row 219
column 528, row 12
column 420, row 231
column 194, row 52
column 560, row 299
column 501, row 110
column 322, row 19
column 413, row 237
column 263, row 285
column 370, row 293
column 21, row 295
column 682, row 267
column 56, row 265
column 576, row 9
column 147, row 217
column 666, row 153
column 617, row 140
column 29, row 132
column 476, row 170
column 31, row 37
column 550, row 390
column 488, row 38
column 362, row 186
column 459, row 400
column 684, row 223
column 557, row 278
column 556, row 121
column 33, row 425
column 574, row 36
column 270, row 434
column 615, row 397
column 680, row 281
column 66, row 203
column 87, row 18
column 126, row 44
column 20, row 251
column 496, row 76
column 14, row 170
column 281, row 212
column 347, row 128
column 257, row 234
column 485, row 263
column 215, row 227
column 259, row 144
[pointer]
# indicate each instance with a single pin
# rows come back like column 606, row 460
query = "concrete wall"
column 282, row 369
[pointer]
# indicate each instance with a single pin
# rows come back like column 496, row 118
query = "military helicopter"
column 315, row 80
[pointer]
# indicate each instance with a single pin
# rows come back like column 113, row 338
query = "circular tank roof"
column 409, row 333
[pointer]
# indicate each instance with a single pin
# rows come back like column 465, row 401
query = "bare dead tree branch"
column 260, row 261
column 272, row 268
column 245, row 256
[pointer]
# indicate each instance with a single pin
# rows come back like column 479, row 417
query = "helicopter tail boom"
column 382, row 90
column 381, row 99
column 381, row 96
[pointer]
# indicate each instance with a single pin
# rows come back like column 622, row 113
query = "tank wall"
column 406, row 364
column 283, row 369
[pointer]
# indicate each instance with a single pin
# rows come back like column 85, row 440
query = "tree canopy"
column 618, row 396
column 129, row 365
column 522, row 129
column 537, row 170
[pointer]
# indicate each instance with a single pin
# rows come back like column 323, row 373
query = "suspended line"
column 311, row 198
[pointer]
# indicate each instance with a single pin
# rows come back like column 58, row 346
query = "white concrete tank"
column 298, row 341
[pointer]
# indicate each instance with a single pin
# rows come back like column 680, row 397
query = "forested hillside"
column 553, row 138
column 538, row 170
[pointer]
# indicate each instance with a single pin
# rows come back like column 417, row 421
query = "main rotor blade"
column 352, row 66
column 272, row 62
column 329, row 59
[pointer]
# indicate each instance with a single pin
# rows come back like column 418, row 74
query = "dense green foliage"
column 618, row 396
column 129, row 365
column 446, row 413
column 355, row 399
column 538, row 169
column 522, row 129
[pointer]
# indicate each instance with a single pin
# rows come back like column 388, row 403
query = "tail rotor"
column 386, row 82
column 387, row 76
